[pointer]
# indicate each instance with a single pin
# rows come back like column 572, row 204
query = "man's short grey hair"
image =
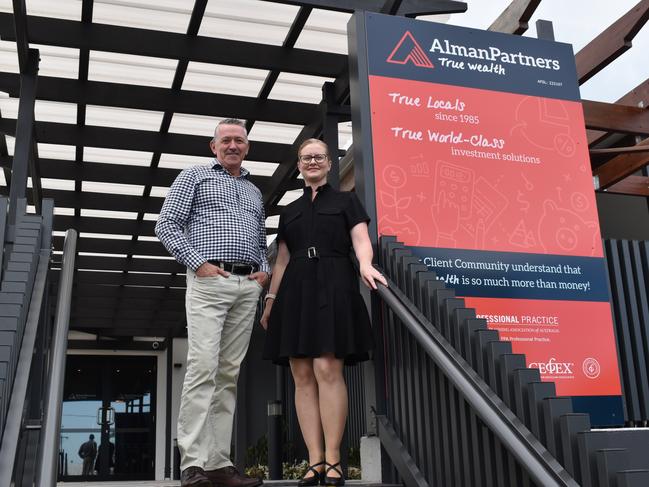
column 230, row 121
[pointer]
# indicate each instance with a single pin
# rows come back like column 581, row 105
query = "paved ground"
column 176, row 483
column 149, row 483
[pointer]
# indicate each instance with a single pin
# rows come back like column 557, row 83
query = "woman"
column 314, row 314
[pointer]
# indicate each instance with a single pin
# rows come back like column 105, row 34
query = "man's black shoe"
column 230, row 477
column 194, row 477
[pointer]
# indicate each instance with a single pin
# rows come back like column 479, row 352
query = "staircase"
column 23, row 335
column 29, row 369
column 454, row 406
column 462, row 410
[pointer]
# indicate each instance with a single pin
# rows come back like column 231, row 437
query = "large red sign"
column 481, row 166
column 468, row 168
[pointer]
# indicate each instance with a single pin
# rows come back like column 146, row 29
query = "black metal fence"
column 18, row 274
column 441, row 362
column 628, row 269
column 24, row 339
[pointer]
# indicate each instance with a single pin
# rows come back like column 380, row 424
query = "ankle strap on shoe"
column 329, row 466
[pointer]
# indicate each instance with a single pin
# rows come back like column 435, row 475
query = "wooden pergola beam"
column 620, row 150
column 637, row 97
column 613, row 117
column 620, row 167
column 611, row 43
column 632, row 185
column 514, row 18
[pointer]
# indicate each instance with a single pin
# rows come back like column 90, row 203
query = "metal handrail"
column 539, row 463
column 47, row 469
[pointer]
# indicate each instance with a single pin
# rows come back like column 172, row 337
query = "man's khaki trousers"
column 220, row 314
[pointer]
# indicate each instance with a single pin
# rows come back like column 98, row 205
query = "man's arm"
column 175, row 212
column 283, row 257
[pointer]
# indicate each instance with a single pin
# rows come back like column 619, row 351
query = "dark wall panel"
column 623, row 217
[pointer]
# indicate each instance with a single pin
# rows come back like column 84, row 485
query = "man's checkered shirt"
column 210, row 215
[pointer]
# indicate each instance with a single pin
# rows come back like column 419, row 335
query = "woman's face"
column 313, row 162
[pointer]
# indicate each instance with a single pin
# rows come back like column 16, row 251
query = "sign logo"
column 408, row 50
column 591, row 368
column 552, row 367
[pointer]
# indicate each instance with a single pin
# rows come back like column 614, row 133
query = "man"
column 212, row 221
column 88, row 452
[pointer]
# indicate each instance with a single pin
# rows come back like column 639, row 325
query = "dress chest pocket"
column 329, row 214
column 331, row 224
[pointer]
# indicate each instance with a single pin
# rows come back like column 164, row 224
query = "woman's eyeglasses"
column 318, row 158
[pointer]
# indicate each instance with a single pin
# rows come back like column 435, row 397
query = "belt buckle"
column 312, row 253
column 241, row 269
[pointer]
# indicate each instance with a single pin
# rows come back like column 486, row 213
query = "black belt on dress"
column 314, row 254
column 238, row 268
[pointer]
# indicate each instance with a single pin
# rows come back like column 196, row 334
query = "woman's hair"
column 312, row 141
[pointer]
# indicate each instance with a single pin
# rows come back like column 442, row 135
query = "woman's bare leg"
column 328, row 371
column 308, row 409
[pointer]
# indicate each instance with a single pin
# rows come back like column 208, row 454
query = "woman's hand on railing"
column 370, row 275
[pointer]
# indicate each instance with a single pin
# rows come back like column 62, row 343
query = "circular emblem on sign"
column 579, row 202
column 591, row 368
column 394, row 176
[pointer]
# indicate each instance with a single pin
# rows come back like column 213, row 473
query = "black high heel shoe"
column 314, row 479
column 336, row 481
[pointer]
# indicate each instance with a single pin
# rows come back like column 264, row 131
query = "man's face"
column 230, row 146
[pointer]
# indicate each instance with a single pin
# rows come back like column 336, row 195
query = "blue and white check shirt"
column 210, row 215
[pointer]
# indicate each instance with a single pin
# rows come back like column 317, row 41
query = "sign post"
column 472, row 151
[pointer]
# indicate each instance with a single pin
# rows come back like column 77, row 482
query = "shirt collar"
column 219, row 167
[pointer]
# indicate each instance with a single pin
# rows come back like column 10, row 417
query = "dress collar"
column 324, row 187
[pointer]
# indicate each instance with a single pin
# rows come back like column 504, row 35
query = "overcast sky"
column 578, row 22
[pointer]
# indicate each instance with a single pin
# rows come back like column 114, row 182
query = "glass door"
column 107, row 424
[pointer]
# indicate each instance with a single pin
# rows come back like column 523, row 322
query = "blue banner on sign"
column 437, row 53
column 517, row 275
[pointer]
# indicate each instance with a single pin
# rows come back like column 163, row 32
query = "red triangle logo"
column 408, row 50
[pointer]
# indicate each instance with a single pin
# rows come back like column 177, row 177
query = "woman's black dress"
column 319, row 308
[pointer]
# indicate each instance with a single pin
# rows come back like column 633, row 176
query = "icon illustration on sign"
column 464, row 203
column 545, row 124
column 562, row 230
column 397, row 222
